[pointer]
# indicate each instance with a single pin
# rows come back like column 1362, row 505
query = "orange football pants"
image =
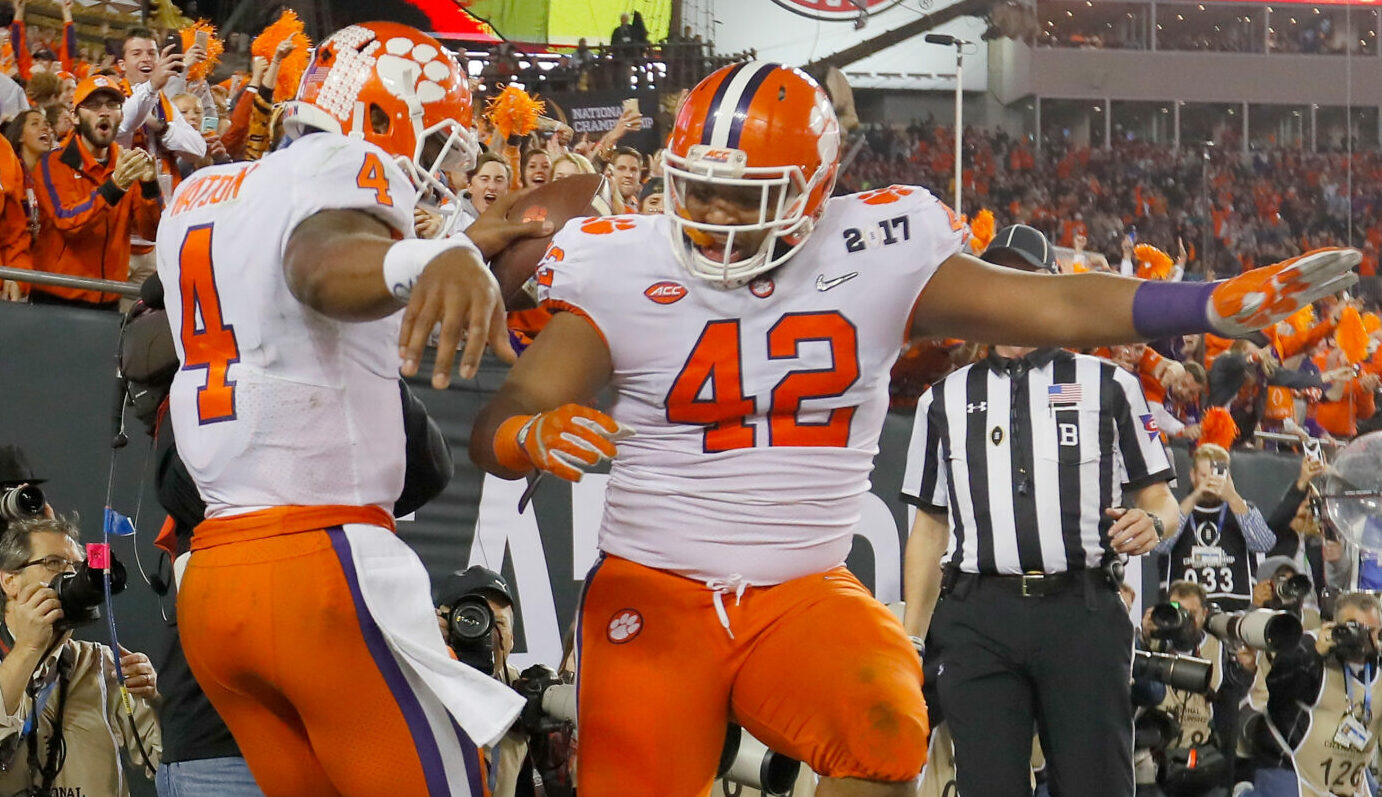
column 276, row 633
column 815, row 668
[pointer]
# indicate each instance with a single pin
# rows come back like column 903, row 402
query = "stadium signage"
column 834, row 10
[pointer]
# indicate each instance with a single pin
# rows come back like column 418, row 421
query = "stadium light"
column 946, row 40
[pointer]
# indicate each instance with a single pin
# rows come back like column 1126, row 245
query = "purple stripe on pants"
column 429, row 755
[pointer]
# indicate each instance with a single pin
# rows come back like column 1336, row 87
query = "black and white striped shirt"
column 1026, row 454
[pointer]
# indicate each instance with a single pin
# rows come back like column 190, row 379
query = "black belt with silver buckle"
column 1032, row 585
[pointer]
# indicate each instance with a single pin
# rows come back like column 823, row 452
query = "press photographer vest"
column 1324, row 767
column 1212, row 552
column 1193, row 711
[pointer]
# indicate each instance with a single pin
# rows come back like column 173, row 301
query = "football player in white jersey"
column 747, row 336
column 297, row 293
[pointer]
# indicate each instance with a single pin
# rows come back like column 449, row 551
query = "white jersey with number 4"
column 276, row 404
column 757, row 409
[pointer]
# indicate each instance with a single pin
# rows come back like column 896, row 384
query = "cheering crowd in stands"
column 1287, row 29
column 1099, row 204
column 1275, row 204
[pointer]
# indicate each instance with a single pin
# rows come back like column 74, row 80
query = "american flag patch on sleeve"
column 1063, row 394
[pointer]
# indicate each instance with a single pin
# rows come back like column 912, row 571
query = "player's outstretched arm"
column 347, row 265
column 568, row 363
column 970, row 299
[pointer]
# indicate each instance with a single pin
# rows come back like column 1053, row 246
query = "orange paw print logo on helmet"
column 885, row 196
column 604, row 225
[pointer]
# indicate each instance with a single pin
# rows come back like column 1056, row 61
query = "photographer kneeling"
column 64, row 722
column 1320, row 706
column 1193, row 760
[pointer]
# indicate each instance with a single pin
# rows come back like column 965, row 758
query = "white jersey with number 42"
column 276, row 404
column 757, row 409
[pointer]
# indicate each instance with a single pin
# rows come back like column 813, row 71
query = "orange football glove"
column 1261, row 297
column 565, row 442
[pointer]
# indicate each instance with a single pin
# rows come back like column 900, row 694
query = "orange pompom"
column 1153, row 264
column 286, row 28
column 1218, row 427
column 1352, row 336
column 981, row 231
column 1371, row 322
column 513, row 112
column 1303, row 319
column 214, row 48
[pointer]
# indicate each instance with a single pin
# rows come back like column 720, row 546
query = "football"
column 557, row 202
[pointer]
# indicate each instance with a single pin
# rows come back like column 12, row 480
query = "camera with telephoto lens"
column 469, row 616
column 1173, row 624
column 1154, row 729
column 550, row 699
column 1291, row 590
column 1168, row 620
column 1261, row 629
column 21, row 502
column 1353, row 641
column 1186, row 673
column 549, row 719
column 82, row 592
column 745, row 761
column 468, row 631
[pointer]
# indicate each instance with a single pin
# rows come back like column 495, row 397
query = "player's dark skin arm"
column 569, row 362
column 334, row 263
column 970, row 299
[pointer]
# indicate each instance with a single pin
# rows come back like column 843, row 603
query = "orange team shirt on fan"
column 757, row 409
column 1152, row 388
column 277, row 404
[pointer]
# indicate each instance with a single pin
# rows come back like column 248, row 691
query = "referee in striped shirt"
column 1040, row 471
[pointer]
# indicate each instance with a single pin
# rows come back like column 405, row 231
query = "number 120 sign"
column 834, row 10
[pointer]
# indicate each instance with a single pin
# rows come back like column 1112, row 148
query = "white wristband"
column 406, row 260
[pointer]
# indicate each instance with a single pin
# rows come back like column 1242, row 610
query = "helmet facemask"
column 781, row 191
column 447, row 147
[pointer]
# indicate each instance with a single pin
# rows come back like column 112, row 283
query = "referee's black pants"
column 1060, row 664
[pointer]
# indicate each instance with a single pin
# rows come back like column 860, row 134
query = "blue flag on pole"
column 117, row 525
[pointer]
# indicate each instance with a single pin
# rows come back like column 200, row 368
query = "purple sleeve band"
column 1163, row 309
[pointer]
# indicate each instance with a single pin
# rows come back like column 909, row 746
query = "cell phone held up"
column 630, row 105
column 174, row 40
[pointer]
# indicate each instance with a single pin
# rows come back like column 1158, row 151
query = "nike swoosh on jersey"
column 823, row 284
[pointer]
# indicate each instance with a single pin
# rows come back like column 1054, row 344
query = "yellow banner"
column 595, row 20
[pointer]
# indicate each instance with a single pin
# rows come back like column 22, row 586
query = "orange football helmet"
column 752, row 125
column 393, row 86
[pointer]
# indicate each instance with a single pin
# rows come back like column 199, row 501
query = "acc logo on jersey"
column 762, row 287
column 1149, row 426
column 665, row 292
column 604, row 225
column 884, row 196
column 624, row 626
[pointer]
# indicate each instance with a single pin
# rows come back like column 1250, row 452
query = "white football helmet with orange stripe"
column 393, row 86
column 752, row 126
